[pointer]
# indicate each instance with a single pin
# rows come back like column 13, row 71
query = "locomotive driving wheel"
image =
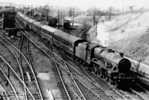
column 113, row 79
column 103, row 73
column 106, row 76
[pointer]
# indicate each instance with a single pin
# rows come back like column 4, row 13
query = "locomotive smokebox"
column 124, row 65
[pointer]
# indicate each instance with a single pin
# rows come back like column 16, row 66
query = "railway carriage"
column 47, row 35
column 34, row 26
column 65, row 41
column 20, row 21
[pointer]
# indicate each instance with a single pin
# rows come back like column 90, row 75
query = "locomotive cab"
column 80, row 48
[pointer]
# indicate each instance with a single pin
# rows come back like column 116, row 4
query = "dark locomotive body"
column 52, row 21
column 103, row 61
column 9, row 19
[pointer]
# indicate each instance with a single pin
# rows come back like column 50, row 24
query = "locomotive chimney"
column 121, row 54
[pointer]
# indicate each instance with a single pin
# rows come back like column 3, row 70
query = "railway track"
column 102, row 82
column 63, row 83
column 137, row 89
column 15, row 73
column 76, row 89
column 28, row 63
column 100, row 93
column 4, row 94
column 22, row 67
column 95, row 80
column 12, row 60
column 62, row 77
column 97, row 92
column 14, row 47
column 4, row 76
column 78, row 93
column 28, row 70
column 15, row 54
column 123, row 95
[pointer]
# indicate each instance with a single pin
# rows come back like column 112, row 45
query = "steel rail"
column 5, row 61
column 62, row 80
column 30, row 66
column 6, row 95
column 69, row 98
column 71, row 75
column 118, row 93
column 25, row 33
column 1, row 42
column 33, row 70
column 80, row 80
column 64, row 86
column 50, row 58
column 21, row 67
column 47, row 54
column 10, row 83
column 17, row 59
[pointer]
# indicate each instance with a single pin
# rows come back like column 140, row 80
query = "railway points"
column 124, row 95
column 40, row 62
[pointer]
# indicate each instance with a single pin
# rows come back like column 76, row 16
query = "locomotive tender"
column 105, row 62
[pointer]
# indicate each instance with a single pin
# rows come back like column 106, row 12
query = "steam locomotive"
column 107, row 63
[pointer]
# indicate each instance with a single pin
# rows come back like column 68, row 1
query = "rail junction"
column 32, row 69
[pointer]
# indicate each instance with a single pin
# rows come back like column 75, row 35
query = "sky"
column 84, row 4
